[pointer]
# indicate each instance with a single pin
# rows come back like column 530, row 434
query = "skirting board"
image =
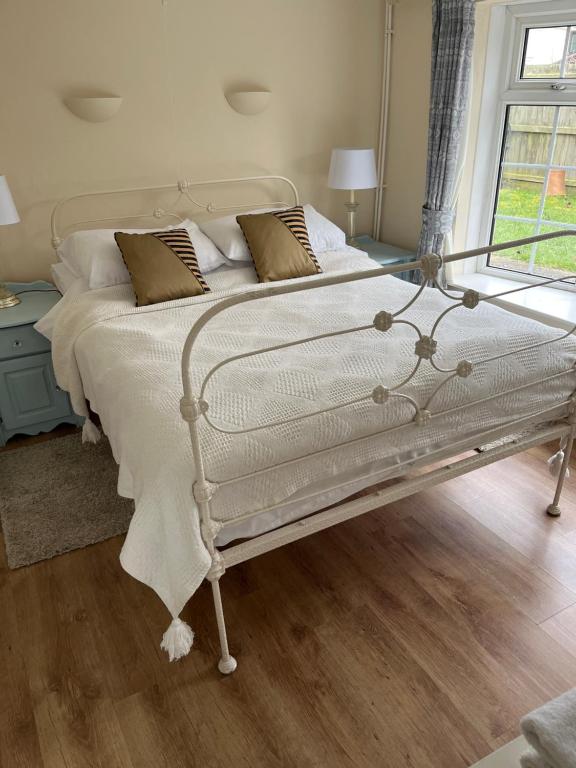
column 507, row 756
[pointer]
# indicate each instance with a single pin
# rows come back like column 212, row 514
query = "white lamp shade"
column 8, row 212
column 352, row 169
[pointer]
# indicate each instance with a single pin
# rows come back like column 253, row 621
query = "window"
column 537, row 189
column 549, row 53
column 526, row 155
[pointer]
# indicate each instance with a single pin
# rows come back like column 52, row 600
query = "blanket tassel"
column 90, row 432
column 177, row 640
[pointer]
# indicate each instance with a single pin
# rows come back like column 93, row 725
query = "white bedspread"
column 126, row 361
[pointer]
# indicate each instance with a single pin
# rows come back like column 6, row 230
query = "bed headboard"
column 178, row 208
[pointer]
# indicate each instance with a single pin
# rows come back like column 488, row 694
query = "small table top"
column 383, row 253
column 35, row 300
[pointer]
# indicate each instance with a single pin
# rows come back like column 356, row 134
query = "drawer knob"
column 17, row 344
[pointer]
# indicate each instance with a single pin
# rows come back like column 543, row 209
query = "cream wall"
column 408, row 130
column 172, row 64
column 409, row 104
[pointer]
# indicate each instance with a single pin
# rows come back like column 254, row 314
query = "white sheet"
column 46, row 324
column 62, row 276
column 224, row 278
column 128, row 360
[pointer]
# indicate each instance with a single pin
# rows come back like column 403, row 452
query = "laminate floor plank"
column 465, row 644
column 533, row 590
column 415, row 636
column 19, row 743
column 562, row 627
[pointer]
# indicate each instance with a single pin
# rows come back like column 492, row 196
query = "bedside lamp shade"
column 352, row 169
column 8, row 212
column 8, row 215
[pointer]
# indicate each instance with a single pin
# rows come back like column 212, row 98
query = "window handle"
column 558, row 86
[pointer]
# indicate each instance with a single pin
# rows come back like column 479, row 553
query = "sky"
column 546, row 45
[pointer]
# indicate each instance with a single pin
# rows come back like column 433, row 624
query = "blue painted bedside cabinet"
column 384, row 254
column 30, row 400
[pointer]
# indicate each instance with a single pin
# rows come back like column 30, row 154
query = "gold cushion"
column 162, row 265
column 279, row 245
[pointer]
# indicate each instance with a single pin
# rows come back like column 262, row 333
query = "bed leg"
column 553, row 509
column 227, row 663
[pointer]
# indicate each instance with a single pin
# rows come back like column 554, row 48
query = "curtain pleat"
column 452, row 42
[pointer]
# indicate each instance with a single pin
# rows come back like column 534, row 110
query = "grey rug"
column 59, row 495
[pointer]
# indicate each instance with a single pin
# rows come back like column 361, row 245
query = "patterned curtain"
column 452, row 40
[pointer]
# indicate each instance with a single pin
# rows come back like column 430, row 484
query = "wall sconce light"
column 94, row 109
column 249, row 102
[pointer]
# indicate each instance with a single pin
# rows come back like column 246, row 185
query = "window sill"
column 548, row 305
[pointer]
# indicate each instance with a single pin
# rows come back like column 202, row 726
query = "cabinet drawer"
column 28, row 392
column 21, row 340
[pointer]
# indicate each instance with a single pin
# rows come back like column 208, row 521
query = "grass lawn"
column 551, row 257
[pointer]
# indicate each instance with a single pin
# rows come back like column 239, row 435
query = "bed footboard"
column 542, row 425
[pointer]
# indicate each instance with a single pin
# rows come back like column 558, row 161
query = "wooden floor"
column 414, row 637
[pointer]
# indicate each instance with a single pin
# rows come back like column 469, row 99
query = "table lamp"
column 8, row 215
column 352, row 169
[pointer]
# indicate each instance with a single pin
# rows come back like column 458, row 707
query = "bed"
column 246, row 418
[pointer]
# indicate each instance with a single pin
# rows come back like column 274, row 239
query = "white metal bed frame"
column 555, row 422
column 183, row 196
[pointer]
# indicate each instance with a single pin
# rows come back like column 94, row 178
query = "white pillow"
column 226, row 233
column 324, row 234
column 93, row 254
column 79, row 249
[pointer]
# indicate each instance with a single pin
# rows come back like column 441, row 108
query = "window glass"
column 549, row 53
column 537, row 190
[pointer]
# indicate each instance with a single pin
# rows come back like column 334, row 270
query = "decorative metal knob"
column 380, row 394
column 192, row 409
column 425, row 347
column 383, row 321
column 422, row 418
column 431, row 264
column 17, row 344
column 470, row 299
column 464, row 369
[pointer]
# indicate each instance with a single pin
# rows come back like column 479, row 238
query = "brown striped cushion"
column 162, row 265
column 279, row 244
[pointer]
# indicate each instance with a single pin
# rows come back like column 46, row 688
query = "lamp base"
column 7, row 298
column 351, row 207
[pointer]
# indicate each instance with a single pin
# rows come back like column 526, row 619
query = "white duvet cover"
column 126, row 361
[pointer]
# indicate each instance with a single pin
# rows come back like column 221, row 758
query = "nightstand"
column 383, row 253
column 30, row 400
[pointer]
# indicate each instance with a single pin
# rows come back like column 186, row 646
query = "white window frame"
column 503, row 87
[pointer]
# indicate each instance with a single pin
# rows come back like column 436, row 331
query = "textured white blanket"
column 129, row 359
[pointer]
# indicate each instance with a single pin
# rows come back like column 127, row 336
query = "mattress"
column 126, row 361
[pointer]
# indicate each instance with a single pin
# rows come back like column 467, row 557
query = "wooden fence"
column 528, row 141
